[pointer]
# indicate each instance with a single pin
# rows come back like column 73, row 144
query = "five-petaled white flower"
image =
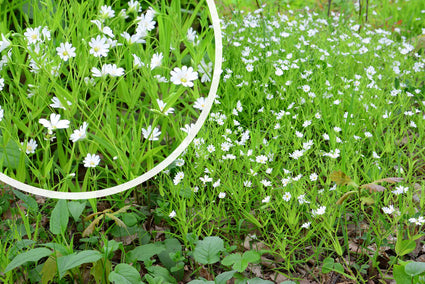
column 91, row 160
column 183, row 76
column 99, row 46
column 31, row 146
column 54, row 123
column 150, row 134
column 65, row 51
column 80, row 133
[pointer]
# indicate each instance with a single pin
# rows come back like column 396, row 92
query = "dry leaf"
column 390, row 180
column 89, row 230
column 116, row 219
column 373, row 187
column 341, row 178
column 345, row 197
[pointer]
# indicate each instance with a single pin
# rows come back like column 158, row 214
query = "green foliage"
column 207, row 251
column 240, row 262
column 59, row 218
column 409, row 272
column 33, row 255
column 126, row 274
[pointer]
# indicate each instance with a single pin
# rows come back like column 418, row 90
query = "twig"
column 367, row 10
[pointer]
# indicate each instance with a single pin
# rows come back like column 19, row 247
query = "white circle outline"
column 167, row 161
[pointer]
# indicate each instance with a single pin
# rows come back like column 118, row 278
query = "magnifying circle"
column 167, row 161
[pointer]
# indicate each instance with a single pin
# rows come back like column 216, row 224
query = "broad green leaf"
column 208, row 250
column 257, row 280
column 414, row 268
column 125, row 274
column 29, row 200
column 59, row 218
column 70, row 261
column 234, row 259
column 171, row 246
column 403, row 247
column 145, row 252
column 31, row 255
column 201, row 281
column 223, row 277
column 251, row 256
column 76, row 208
column 328, row 265
column 400, row 276
column 161, row 272
column 10, row 153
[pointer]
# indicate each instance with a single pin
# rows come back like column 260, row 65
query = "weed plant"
column 311, row 165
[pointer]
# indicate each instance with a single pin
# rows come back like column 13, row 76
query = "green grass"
column 312, row 157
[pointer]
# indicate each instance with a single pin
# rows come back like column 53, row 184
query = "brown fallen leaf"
column 390, row 180
column 341, row 178
column 373, row 187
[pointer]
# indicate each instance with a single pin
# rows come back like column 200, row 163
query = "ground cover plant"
column 309, row 170
column 99, row 101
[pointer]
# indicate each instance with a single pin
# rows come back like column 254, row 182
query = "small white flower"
column 400, row 190
column 172, row 214
column 222, row 195
column 56, row 103
column 80, row 133
column 216, row 184
column 313, row 177
column 106, row 12
column 266, row 199
column 306, row 225
column 91, row 160
column 200, row 103
column 66, row 51
column 320, row 211
column 54, row 123
column 156, row 60
column 389, row 210
column 152, row 135
column 99, row 46
column 286, row 196
column 162, row 107
column 183, row 76
column 31, row 146
column 261, row 159
column 178, row 178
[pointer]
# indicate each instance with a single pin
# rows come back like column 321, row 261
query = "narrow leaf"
column 345, row 197
column 116, row 219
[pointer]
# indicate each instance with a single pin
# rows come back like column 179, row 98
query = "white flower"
column 33, row 35
column 205, row 179
column 187, row 128
column 200, row 103
column 191, row 35
column 306, row 225
column 266, row 199
column 286, row 196
column 4, row 43
column 156, row 60
column 1, row 84
column 1, row 113
column 205, row 70
column 296, row 154
column 145, row 23
column 183, row 76
column 56, row 103
column 172, row 214
column 222, row 195
column 31, row 146
column 65, row 51
column 137, row 62
column 79, row 133
column 216, row 184
column 91, row 160
column 261, row 159
column 313, row 177
column 135, row 38
column 389, row 210
column 320, row 211
column 114, row 71
column 210, row 148
column 400, row 190
column 106, row 12
column 54, row 123
column 178, row 178
column 134, row 6
column 99, row 46
column 151, row 135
